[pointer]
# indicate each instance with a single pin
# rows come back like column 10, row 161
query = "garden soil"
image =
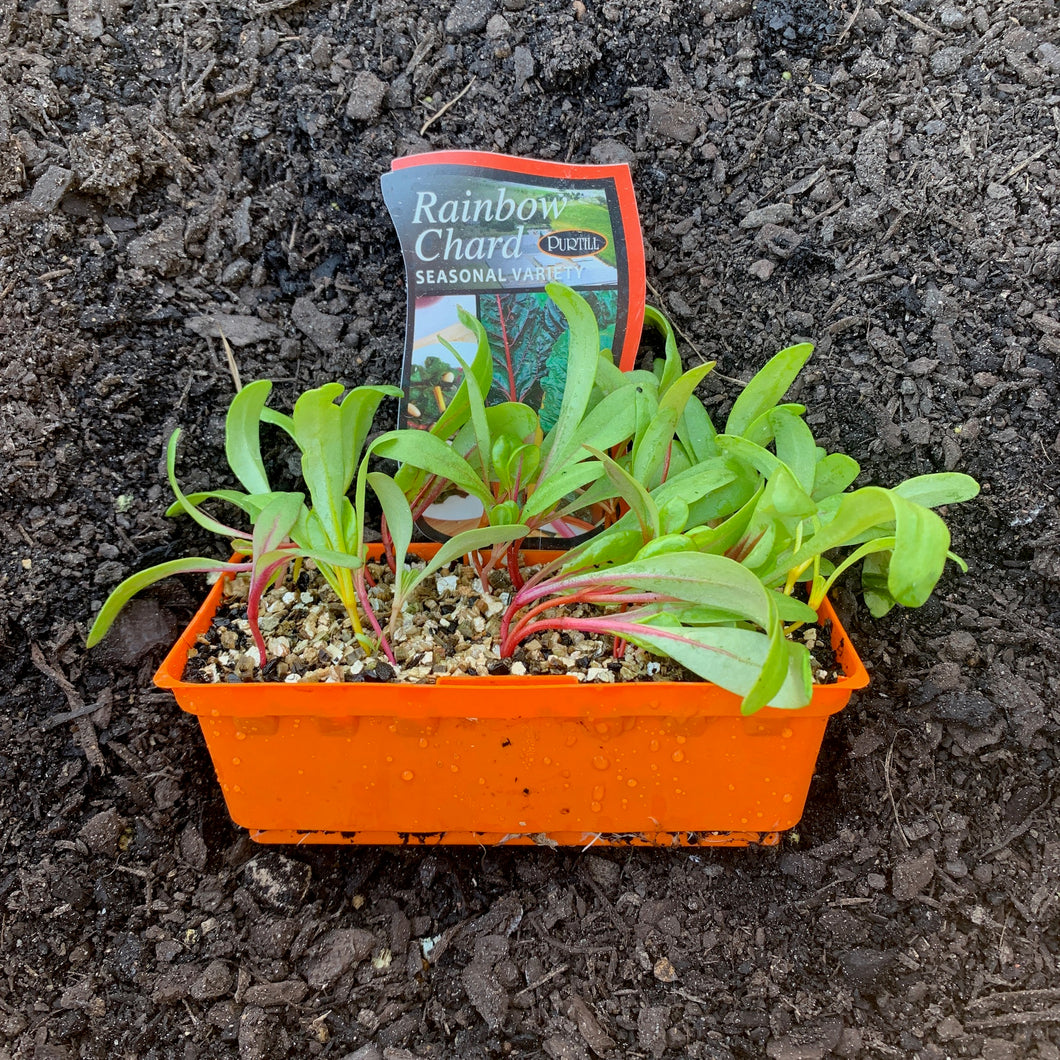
column 877, row 177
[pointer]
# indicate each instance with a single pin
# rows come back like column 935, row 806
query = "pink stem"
column 366, row 607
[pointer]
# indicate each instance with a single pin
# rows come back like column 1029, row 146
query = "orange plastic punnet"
column 490, row 760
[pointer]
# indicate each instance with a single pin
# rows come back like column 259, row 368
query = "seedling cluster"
column 706, row 533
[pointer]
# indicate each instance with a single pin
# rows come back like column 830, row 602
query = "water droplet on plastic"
column 235, row 761
column 682, row 739
column 423, row 741
column 599, row 762
column 787, row 798
column 236, row 787
column 653, row 745
column 241, row 735
column 631, row 783
column 572, row 739
column 595, row 807
column 454, row 769
column 678, row 756
column 407, row 775
column 482, row 780
column 786, row 733
column 547, row 760
column 598, row 792
column 390, row 758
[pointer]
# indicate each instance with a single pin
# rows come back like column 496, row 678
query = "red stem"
column 514, row 572
column 512, row 635
column 388, row 544
column 507, row 352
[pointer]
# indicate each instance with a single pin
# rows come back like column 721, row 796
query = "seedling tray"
column 492, row 760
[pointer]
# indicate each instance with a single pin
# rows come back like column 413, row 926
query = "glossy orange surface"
column 507, row 759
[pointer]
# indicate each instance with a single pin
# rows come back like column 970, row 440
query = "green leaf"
column 795, row 446
column 767, row 387
column 243, row 436
column 614, row 545
column 515, row 420
column 665, row 545
column 650, row 447
column 397, row 512
column 697, row 432
column 921, row 541
column 469, row 541
column 633, row 493
column 479, row 421
column 791, row 610
column 692, row 577
column 326, row 463
column 934, row 490
column 881, row 544
column 278, row 419
column 558, row 486
column 581, row 371
column 673, row 515
column 772, row 675
column 275, row 522
column 124, row 592
column 732, row 658
column 356, row 413
column 671, row 367
column 422, row 449
column 719, row 539
column 608, row 424
column 834, row 473
column 207, row 522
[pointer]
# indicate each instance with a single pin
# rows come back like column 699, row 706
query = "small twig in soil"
column 1012, row 997
column 85, row 729
column 232, row 366
column 71, row 715
column 849, row 26
column 1020, row 830
column 547, row 978
column 919, row 23
column 1015, row 1019
column 445, row 106
column 890, row 790
column 1025, row 163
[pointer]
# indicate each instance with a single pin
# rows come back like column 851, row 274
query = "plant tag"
column 485, row 232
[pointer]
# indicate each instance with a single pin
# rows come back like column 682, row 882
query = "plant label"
column 485, row 232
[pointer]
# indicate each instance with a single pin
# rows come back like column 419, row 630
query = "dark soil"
column 879, row 177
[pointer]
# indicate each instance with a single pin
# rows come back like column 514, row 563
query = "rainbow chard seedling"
column 330, row 437
column 762, row 498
